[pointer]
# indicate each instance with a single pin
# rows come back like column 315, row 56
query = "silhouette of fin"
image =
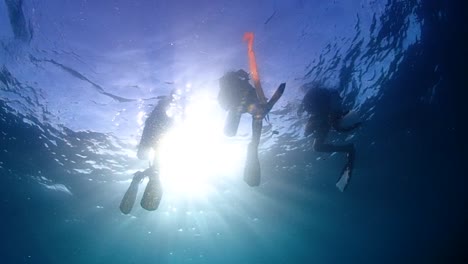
column 276, row 96
column 342, row 183
column 252, row 172
column 129, row 198
column 152, row 195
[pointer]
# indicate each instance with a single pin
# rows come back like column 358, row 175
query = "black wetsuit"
column 237, row 96
column 156, row 124
column 324, row 108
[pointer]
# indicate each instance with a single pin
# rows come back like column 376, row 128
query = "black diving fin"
column 252, row 171
column 152, row 195
column 129, row 198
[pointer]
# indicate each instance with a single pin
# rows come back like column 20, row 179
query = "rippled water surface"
column 78, row 78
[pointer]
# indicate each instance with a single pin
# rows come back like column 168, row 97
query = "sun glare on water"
column 195, row 155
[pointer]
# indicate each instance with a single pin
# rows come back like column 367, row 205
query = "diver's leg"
column 321, row 146
column 321, row 134
column 346, row 129
column 147, row 140
column 252, row 171
column 256, row 130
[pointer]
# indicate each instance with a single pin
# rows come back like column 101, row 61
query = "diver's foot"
column 138, row 176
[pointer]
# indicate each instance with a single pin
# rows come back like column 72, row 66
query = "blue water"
column 78, row 77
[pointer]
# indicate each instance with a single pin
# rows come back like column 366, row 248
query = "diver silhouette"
column 157, row 123
column 238, row 96
column 324, row 106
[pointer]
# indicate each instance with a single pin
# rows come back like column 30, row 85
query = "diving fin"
column 152, row 195
column 276, row 96
column 232, row 123
column 342, row 183
column 252, row 167
column 129, row 198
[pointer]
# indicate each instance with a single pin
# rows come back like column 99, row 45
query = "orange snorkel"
column 249, row 37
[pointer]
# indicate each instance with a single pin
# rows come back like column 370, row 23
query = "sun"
column 194, row 156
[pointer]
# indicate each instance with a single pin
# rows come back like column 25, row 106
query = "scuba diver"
column 238, row 96
column 324, row 107
column 157, row 123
